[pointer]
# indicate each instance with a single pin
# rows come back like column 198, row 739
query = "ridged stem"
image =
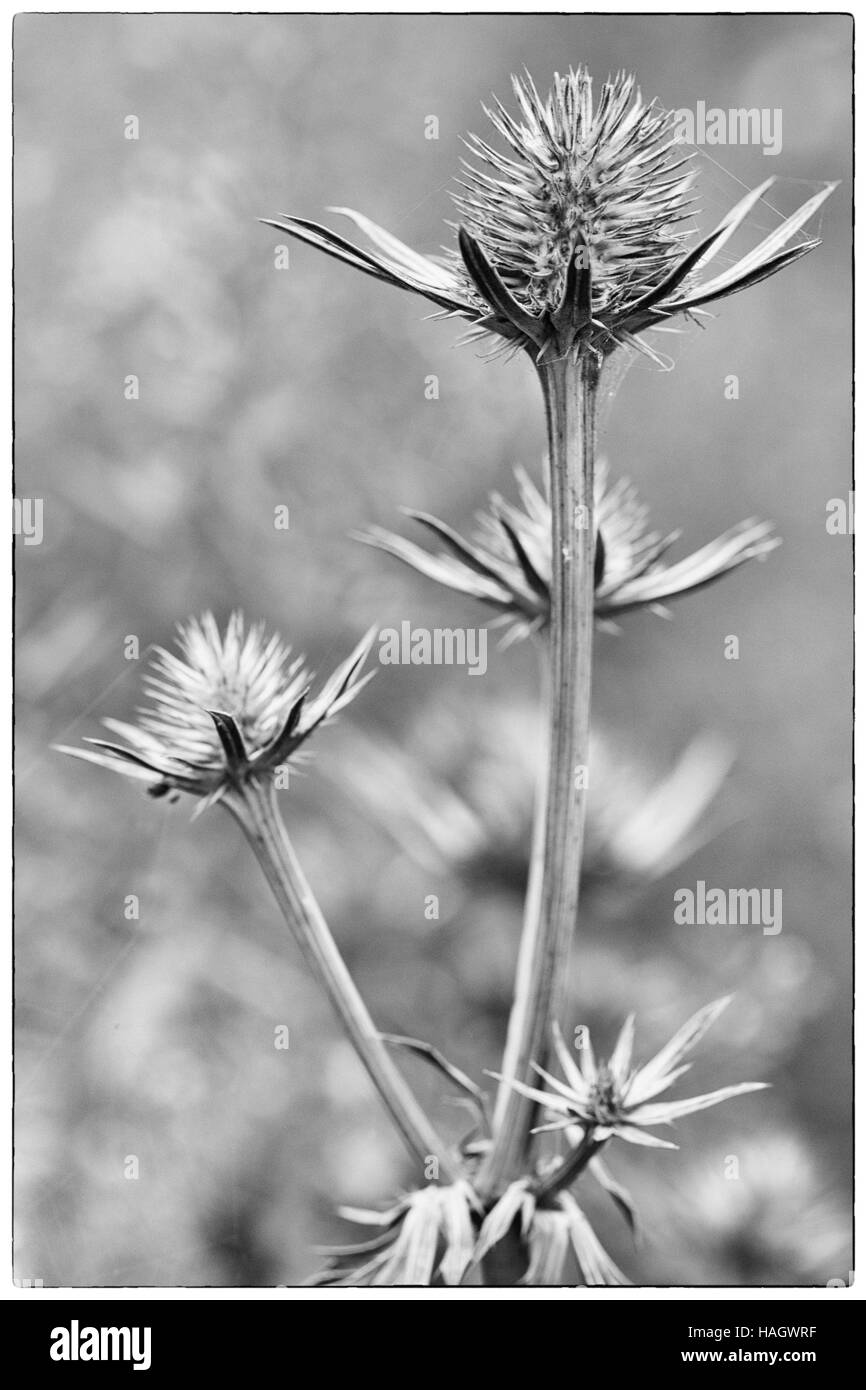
column 570, row 390
column 254, row 806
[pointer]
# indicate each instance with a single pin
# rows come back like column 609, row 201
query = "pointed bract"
column 576, row 239
column 610, row 1101
column 507, row 563
column 427, row 1238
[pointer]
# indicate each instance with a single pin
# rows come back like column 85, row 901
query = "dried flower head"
column 507, row 564
column 426, row 1238
column 614, row 1100
column 575, row 237
column 551, row 1235
column 226, row 708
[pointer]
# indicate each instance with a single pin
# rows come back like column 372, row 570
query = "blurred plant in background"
column 476, row 818
column 179, row 1024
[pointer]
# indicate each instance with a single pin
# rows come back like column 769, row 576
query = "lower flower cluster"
column 448, row 1234
column 442, row 1236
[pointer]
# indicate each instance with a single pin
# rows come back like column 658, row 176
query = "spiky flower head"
column 507, row 563
column 594, row 186
column 426, row 1238
column 614, row 1099
column 576, row 236
column 226, row 708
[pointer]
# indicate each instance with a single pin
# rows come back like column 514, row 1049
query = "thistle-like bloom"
column 228, row 708
column 226, row 714
column 550, row 1235
column 616, row 1100
column 507, row 563
column 426, row 1238
column 573, row 238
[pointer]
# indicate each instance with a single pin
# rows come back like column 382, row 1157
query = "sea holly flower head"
column 426, row 1238
column 614, row 1099
column 507, row 563
column 225, row 708
column 573, row 236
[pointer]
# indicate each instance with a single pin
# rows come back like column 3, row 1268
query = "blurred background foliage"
column 258, row 387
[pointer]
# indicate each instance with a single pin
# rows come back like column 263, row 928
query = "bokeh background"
column 305, row 387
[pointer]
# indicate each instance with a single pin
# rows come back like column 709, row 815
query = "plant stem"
column 570, row 390
column 254, row 806
column 571, row 1168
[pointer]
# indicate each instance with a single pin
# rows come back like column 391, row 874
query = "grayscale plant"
column 571, row 245
column 575, row 238
column 227, row 715
column 508, row 564
column 574, row 241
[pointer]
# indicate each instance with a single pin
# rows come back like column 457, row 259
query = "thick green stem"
column 255, row 808
column 570, row 391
